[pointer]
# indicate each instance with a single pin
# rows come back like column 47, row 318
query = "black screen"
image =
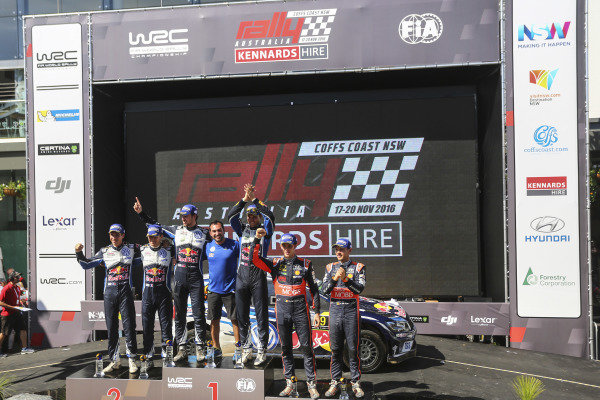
column 393, row 172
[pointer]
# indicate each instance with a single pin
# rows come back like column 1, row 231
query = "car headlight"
column 399, row 326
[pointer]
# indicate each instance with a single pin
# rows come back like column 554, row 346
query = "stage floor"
column 443, row 369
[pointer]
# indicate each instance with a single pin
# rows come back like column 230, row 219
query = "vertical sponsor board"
column 59, row 171
column 546, row 163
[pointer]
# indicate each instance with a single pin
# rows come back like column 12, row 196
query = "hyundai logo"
column 547, row 224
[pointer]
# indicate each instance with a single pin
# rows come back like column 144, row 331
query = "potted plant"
column 16, row 188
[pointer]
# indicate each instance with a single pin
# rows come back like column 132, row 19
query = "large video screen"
column 398, row 177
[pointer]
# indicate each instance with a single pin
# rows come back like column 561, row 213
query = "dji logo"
column 449, row 320
column 59, row 185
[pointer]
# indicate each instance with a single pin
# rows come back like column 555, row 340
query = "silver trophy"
column 237, row 356
column 143, row 367
column 210, row 355
column 99, row 367
column 294, row 392
column 169, row 354
column 344, row 387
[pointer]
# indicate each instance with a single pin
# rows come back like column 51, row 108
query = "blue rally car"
column 386, row 332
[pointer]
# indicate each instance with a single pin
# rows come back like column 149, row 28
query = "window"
column 12, row 104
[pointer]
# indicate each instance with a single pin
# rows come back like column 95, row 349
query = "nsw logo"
column 420, row 28
column 555, row 33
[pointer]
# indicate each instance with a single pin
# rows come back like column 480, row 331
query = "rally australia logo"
column 424, row 28
column 158, row 43
column 287, row 36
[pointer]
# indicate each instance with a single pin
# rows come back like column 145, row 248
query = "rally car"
column 386, row 332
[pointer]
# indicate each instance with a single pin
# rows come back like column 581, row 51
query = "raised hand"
column 248, row 192
column 260, row 232
column 78, row 247
column 137, row 206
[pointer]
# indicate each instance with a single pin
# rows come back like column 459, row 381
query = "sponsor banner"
column 94, row 319
column 57, row 78
column 546, row 164
column 459, row 318
column 270, row 37
column 223, row 383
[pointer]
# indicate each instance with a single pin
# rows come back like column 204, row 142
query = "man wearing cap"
column 291, row 274
column 251, row 282
column 156, row 296
column 117, row 258
column 344, row 280
column 11, row 318
column 190, row 240
column 222, row 255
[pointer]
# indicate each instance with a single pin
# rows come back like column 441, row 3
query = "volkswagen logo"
column 547, row 224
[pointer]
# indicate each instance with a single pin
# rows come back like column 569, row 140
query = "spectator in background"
column 11, row 317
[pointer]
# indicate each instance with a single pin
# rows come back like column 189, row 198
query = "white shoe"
column 261, row 357
column 182, row 353
column 112, row 366
column 247, row 355
column 133, row 368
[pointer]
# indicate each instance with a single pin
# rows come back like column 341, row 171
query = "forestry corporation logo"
column 530, row 278
column 424, row 28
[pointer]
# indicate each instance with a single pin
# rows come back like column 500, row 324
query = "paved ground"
column 443, row 369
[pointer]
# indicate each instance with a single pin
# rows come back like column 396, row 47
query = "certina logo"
column 482, row 321
column 58, row 281
column 179, row 383
column 449, row 320
column 245, row 385
column 546, row 186
column 159, row 43
column 543, row 35
column 547, row 224
column 287, row 36
column 57, row 59
column 58, row 149
column 423, row 28
column 58, row 185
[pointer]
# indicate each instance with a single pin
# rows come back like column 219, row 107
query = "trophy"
column 98, row 363
column 237, row 356
column 143, row 367
column 210, row 355
column 343, row 386
column 169, row 354
column 294, row 392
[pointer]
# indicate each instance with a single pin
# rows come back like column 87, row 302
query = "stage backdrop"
column 399, row 185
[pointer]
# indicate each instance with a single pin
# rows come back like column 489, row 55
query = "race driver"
column 291, row 274
column 190, row 240
column 251, row 282
column 344, row 280
column 117, row 258
column 156, row 296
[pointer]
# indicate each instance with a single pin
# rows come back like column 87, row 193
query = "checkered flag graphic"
column 368, row 181
column 317, row 26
